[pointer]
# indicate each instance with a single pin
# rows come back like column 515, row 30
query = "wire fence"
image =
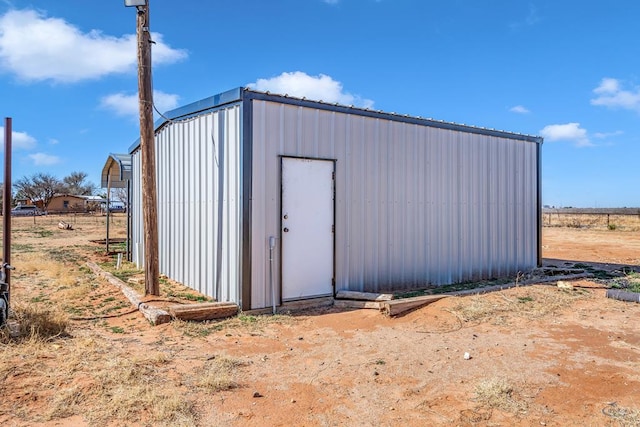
column 625, row 219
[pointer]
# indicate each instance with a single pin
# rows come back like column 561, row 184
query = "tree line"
column 43, row 186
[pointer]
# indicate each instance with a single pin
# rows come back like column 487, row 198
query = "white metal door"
column 307, row 228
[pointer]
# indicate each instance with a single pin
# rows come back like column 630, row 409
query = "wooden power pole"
column 6, row 204
column 147, row 151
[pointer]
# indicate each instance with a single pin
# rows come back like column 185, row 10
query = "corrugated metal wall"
column 196, row 158
column 415, row 205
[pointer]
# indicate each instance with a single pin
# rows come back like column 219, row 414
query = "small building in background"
column 264, row 199
column 95, row 203
column 116, row 179
column 67, row 203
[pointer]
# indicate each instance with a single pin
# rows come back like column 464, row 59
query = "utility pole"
column 6, row 205
column 147, row 153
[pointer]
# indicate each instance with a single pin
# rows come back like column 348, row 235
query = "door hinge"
column 333, row 176
column 333, row 228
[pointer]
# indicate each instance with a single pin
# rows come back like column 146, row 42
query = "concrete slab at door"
column 307, row 228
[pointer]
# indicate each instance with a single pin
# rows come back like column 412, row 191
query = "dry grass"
column 72, row 289
column 497, row 393
column 88, row 377
column 629, row 282
column 64, row 375
column 34, row 323
column 249, row 323
column 33, row 264
column 530, row 302
column 132, row 390
column 595, row 221
column 54, row 369
column 220, row 374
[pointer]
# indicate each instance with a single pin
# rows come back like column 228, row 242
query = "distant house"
column 94, row 203
column 22, row 201
column 67, row 203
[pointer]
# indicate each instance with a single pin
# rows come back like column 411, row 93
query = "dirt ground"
column 537, row 355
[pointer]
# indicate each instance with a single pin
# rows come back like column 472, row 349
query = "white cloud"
column 519, row 109
column 610, row 94
column 42, row 159
column 331, row 1
column 602, row 135
column 53, row 141
column 318, row 88
column 127, row 105
column 567, row 132
column 531, row 19
column 19, row 140
column 38, row 48
column 165, row 101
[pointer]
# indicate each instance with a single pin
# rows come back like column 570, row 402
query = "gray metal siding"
column 415, row 205
column 137, row 233
column 195, row 158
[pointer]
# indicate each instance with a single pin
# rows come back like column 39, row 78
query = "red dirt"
column 570, row 367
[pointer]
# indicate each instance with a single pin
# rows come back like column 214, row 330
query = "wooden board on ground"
column 111, row 240
column 345, row 303
column 203, row 311
column 399, row 306
column 363, row 296
column 154, row 315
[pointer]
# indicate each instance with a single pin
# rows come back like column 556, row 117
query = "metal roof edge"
column 242, row 93
column 350, row 109
column 123, row 162
column 192, row 109
column 214, row 101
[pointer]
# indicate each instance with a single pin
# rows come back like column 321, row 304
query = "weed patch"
column 241, row 322
column 18, row 247
column 455, row 287
column 189, row 297
column 626, row 417
column 65, row 256
column 130, row 391
column 497, row 393
column 536, row 302
column 219, row 374
column 629, row 282
column 43, row 233
column 36, row 323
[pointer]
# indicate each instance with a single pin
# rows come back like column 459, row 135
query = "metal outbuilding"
column 264, row 199
column 116, row 173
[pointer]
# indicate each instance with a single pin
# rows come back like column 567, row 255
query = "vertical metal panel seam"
column 246, row 177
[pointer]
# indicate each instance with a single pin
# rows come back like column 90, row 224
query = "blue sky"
column 565, row 70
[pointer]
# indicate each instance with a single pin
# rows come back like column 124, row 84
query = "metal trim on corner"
column 539, row 197
column 246, row 175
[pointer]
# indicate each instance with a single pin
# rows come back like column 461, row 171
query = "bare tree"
column 39, row 186
column 76, row 184
column 119, row 194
